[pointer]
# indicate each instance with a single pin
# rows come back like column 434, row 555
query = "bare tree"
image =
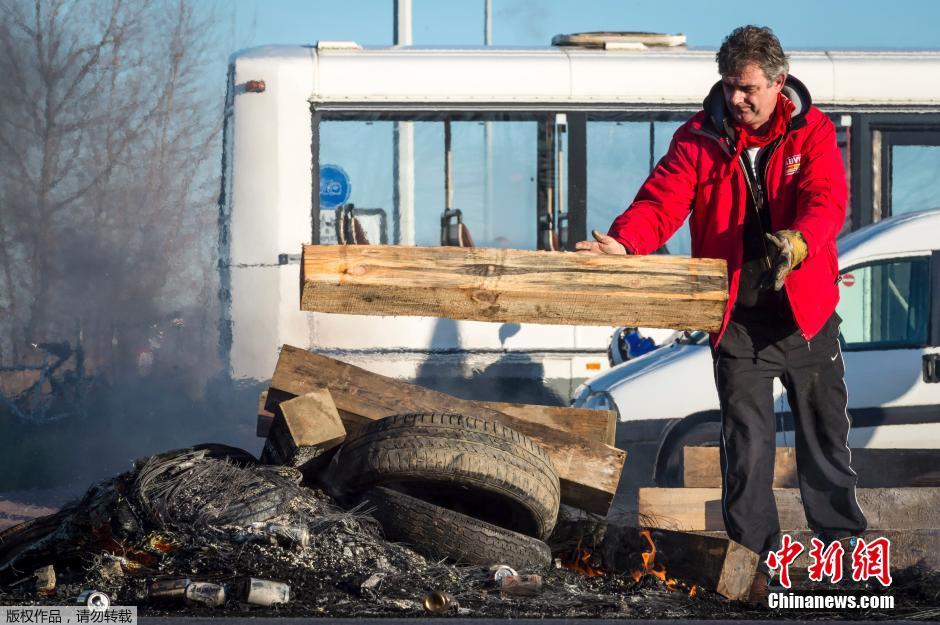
column 108, row 132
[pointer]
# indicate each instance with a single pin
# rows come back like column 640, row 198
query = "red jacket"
column 806, row 190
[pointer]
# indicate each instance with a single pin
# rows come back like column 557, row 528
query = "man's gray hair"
column 752, row 44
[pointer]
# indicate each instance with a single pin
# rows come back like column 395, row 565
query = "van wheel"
column 669, row 464
column 443, row 533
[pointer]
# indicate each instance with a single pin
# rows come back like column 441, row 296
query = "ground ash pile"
column 207, row 514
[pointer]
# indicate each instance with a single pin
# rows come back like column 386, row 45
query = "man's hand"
column 789, row 251
column 602, row 244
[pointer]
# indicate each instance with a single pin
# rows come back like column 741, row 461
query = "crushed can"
column 264, row 592
column 439, row 602
column 168, row 589
column 205, row 593
column 498, row 571
column 520, row 585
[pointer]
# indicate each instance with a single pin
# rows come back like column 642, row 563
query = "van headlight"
column 600, row 400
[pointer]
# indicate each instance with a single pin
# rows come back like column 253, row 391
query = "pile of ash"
column 213, row 515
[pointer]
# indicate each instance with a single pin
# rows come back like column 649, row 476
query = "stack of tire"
column 453, row 486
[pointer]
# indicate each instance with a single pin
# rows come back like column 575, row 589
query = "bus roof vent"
column 620, row 40
column 338, row 45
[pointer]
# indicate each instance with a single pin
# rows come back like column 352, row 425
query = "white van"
column 521, row 148
column 890, row 309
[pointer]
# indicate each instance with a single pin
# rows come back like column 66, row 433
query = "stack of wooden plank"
column 301, row 429
column 314, row 401
column 899, row 491
column 499, row 286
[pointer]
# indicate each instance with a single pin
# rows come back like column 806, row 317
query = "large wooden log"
column 716, row 564
column 515, row 285
column 589, row 471
column 876, row 468
column 699, row 509
column 709, row 561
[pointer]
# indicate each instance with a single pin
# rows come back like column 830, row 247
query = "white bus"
column 521, row 148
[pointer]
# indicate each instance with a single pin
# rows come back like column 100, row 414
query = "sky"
column 814, row 24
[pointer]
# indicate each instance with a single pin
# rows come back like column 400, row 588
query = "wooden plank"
column 304, row 431
column 515, row 286
column 876, row 468
column 714, row 563
column 589, row 471
column 698, row 509
column 265, row 416
column 594, row 425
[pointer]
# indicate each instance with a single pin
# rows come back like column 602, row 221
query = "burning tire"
column 468, row 465
column 447, row 534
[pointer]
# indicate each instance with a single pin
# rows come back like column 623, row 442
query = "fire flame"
column 651, row 567
column 581, row 562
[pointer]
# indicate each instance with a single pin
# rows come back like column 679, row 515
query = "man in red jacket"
column 760, row 176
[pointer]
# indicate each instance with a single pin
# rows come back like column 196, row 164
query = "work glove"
column 602, row 244
column 789, row 250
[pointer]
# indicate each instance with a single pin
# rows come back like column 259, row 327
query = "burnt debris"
column 209, row 530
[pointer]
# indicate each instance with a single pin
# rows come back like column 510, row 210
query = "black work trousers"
column 754, row 350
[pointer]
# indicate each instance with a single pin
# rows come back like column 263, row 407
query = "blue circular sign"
column 334, row 186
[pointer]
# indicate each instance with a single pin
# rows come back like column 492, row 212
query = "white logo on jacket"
column 791, row 165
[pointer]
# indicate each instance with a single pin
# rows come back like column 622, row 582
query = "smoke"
column 530, row 20
column 109, row 177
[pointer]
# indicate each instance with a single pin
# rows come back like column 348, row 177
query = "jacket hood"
column 793, row 89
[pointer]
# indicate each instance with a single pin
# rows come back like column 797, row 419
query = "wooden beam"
column 876, row 468
column 515, row 286
column 589, row 471
column 699, row 509
column 594, row 425
column 304, row 431
column 710, row 561
column 716, row 564
column 265, row 416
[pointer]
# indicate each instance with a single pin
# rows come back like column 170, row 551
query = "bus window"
column 620, row 155
column 493, row 180
column 363, row 150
